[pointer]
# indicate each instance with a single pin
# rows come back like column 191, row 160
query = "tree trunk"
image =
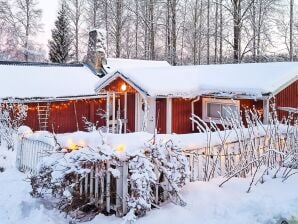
column 237, row 29
column 216, row 32
column 254, row 29
column 208, row 32
column 77, row 17
column 27, row 30
column 220, row 32
column 137, row 28
column 174, row 32
column 151, row 27
column 118, row 27
column 195, row 35
column 291, row 28
column 168, row 31
column 106, row 25
column 200, row 32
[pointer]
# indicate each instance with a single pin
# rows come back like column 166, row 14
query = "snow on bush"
column 259, row 147
column 142, row 177
column 12, row 116
column 61, row 173
column 169, row 159
column 159, row 165
column 162, row 165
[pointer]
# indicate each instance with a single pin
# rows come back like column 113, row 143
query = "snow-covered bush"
column 141, row 179
column 156, row 173
column 161, row 168
column 261, row 147
column 170, row 161
column 60, row 177
column 12, row 116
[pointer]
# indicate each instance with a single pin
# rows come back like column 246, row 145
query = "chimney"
column 96, row 55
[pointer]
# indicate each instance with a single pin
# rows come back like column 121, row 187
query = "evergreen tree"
column 60, row 45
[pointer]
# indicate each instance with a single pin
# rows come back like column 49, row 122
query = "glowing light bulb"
column 123, row 87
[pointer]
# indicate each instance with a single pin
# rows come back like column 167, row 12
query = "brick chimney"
column 96, row 55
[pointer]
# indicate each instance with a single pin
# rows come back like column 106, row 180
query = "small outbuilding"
column 58, row 96
column 164, row 98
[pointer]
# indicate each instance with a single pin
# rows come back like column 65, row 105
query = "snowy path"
column 17, row 206
column 207, row 203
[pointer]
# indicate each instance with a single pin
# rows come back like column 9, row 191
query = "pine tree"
column 60, row 44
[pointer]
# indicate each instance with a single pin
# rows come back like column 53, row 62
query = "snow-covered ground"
column 207, row 203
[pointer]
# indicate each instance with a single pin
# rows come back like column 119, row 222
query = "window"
column 216, row 108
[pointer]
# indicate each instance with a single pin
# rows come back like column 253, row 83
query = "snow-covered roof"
column 40, row 80
column 114, row 64
column 253, row 80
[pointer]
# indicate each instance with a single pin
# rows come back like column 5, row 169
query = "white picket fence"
column 221, row 160
column 108, row 193
column 29, row 154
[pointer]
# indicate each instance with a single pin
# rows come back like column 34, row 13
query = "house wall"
column 181, row 113
column 131, row 112
column 67, row 115
column 288, row 97
column 161, row 115
column 250, row 104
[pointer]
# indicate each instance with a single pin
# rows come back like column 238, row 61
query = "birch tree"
column 27, row 17
column 76, row 9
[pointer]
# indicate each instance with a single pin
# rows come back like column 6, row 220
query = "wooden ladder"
column 43, row 116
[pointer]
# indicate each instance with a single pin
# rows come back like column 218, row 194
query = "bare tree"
column 76, row 9
column 28, row 17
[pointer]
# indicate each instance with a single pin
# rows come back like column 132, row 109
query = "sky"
column 49, row 8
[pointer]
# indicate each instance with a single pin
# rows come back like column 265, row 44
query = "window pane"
column 228, row 110
column 213, row 110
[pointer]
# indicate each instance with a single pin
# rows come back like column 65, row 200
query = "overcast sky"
column 49, row 8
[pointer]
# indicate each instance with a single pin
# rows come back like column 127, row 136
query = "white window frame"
column 217, row 101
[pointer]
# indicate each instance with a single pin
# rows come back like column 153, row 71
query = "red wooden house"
column 165, row 97
column 57, row 96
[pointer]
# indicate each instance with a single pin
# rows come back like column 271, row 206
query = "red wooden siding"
column 181, row 113
column 131, row 112
column 250, row 104
column 161, row 115
column 287, row 98
column 64, row 116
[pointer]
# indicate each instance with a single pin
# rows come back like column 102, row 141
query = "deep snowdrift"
column 207, row 203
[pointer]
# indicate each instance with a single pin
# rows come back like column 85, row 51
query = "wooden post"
column 119, row 189
column 169, row 115
column 96, row 183
column 108, row 112
column 108, row 189
column 76, row 115
column 266, row 111
column 191, row 166
column 86, row 184
column 124, row 187
column 125, row 112
column 114, row 113
column 92, row 182
column 19, row 153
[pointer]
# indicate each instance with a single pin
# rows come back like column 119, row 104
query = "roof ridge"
column 44, row 64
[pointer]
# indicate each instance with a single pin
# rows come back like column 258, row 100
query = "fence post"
column 125, row 187
column 119, row 190
column 108, row 188
column 19, row 153
column 191, row 166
